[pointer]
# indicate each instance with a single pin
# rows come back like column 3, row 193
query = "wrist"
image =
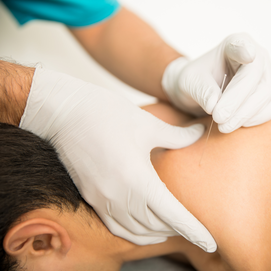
column 15, row 83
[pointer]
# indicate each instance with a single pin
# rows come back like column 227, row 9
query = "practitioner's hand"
column 105, row 142
column 246, row 100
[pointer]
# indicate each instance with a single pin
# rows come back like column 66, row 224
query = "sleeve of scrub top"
column 73, row 13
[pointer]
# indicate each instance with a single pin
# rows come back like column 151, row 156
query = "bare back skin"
column 230, row 192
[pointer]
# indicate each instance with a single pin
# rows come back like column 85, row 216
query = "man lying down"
column 46, row 225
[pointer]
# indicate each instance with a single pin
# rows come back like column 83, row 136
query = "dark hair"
column 31, row 177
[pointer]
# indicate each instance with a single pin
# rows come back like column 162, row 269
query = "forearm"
column 130, row 49
column 15, row 83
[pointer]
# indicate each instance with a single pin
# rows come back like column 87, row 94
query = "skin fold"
column 229, row 193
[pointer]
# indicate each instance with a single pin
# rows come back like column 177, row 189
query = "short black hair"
column 31, row 177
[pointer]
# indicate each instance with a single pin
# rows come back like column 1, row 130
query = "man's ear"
column 37, row 237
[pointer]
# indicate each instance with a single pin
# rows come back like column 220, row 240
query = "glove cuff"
column 170, row 81
column 31, row 109
column 49, row 102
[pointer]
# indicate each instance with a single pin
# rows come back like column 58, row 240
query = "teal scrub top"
column 73, row 13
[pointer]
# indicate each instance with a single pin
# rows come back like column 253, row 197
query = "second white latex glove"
column 195, row 86
column 105, row 142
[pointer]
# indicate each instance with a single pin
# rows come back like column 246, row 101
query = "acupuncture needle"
column 209, row 132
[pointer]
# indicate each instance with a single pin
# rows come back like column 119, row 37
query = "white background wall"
column 191, row 26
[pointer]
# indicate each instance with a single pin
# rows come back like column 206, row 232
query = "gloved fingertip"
column 225, row 129
column 241, row 51
column 158, row 241
column 212, row 101
column 210, row 248
column 209, row 245
column 196, row 130
column 221, row 116
column 188, row 135
column 251, row 53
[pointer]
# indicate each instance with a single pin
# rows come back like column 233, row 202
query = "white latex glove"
column 246, row 101
column 105, row 142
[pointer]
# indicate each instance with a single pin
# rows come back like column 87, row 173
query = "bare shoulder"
column 230, row 193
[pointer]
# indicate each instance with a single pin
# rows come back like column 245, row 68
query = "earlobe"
column 37, row 237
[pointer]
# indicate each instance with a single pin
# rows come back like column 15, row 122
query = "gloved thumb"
column 173, row 137
column 240, row 49
column 201, row 87
column 162, row 202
